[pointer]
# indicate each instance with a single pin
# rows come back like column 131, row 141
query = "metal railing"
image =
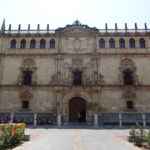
column 46, row 119
column 123, row 119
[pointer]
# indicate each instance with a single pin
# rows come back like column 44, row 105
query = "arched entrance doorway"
column 77, row 110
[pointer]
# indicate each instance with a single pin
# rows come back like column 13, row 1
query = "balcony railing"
column 29, row 31
column 44, row 31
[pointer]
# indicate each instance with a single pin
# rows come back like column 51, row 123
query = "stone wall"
column 54, row 66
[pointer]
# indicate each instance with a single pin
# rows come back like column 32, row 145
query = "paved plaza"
column 77, row 139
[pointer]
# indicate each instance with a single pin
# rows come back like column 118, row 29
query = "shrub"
column 132, row 135
column 11, row 135
column 147, row 138
column 140, row 137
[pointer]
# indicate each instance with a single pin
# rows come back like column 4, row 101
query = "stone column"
column 18, row 43
column 95, row 120
column 120, row 120
column 107, row 43
column 136, row 43
column 144, row 120
column 38, row 43
column 117, row 42
column 127, row 42
column 27, row 43
column 11, row 117
column 47, row 45
column 35, row 120
column 59, row 123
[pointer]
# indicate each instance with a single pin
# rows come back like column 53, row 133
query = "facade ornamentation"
column 90, row 76
column 75, row 62
column 128, row 64
column 129, row 93
column 25, row 93
column 28, row 65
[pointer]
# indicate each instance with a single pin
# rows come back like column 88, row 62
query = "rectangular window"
column 130, row 105
column 25, row 104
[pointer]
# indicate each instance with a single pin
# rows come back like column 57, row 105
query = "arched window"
column 52, row 43
column 142, row 43
column 111, row 43
column 33, row 44
column 101, row 43
column 42, row 43
column 27, row 78
column 77, row 78
column 131, row 43
column 128, row 77
column 122, row 43
column 130, row 105
column 23, row 43
column 13, row 43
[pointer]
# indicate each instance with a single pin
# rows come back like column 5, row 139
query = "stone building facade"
column 75, row 71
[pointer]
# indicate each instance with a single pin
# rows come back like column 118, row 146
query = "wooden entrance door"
column 77, row 110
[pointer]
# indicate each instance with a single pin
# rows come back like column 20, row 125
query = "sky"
column 59, row 13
